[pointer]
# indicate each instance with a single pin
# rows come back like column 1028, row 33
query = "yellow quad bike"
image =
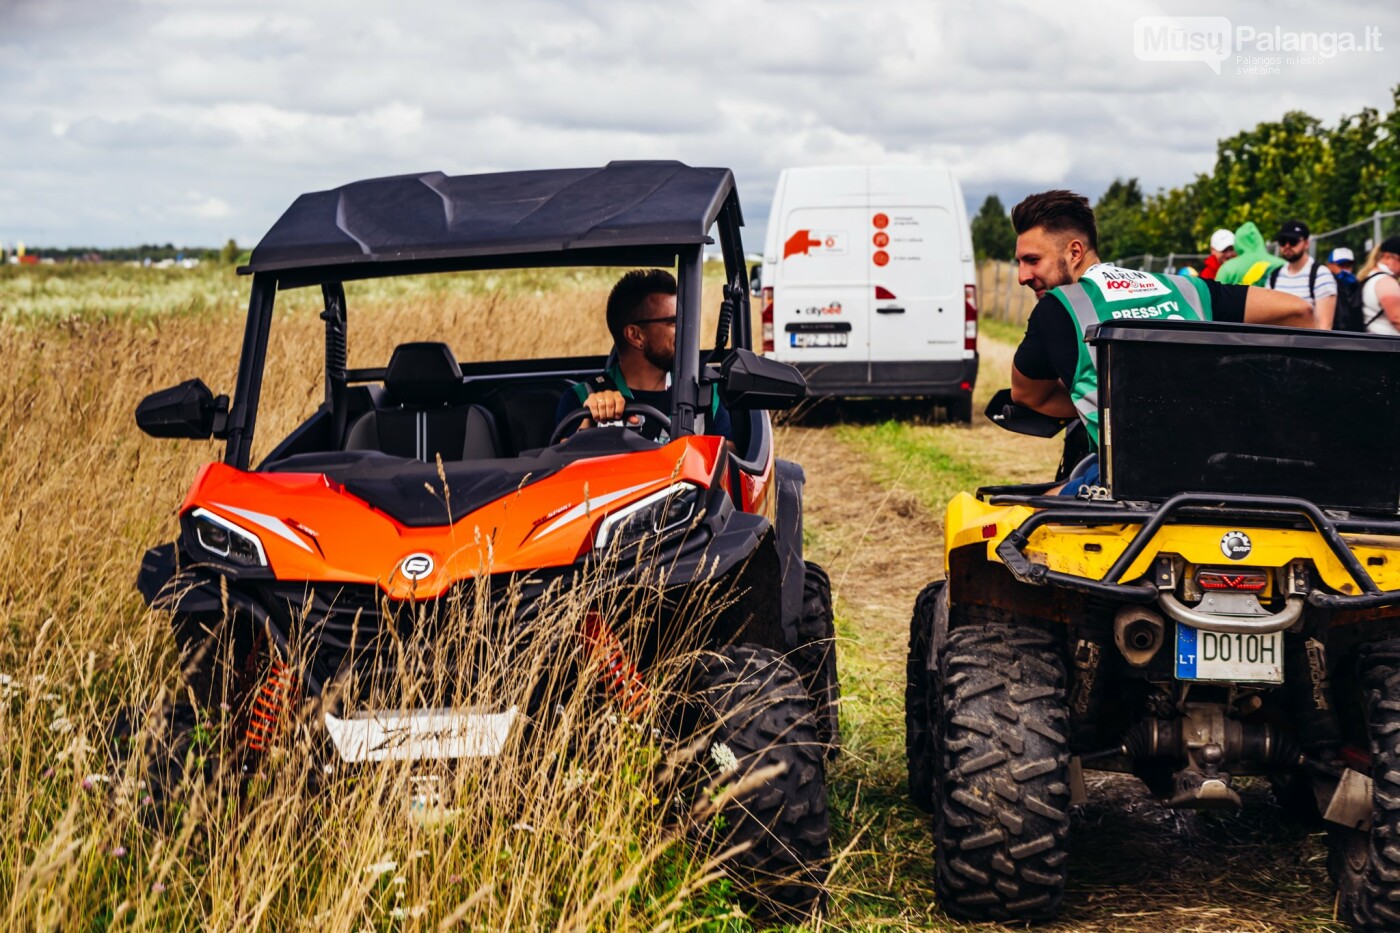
column 1226, row 603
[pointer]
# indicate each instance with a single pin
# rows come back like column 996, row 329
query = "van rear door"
column 916, row 266
column 821, row 292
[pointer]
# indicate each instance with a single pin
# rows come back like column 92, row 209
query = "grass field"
column 85, row 494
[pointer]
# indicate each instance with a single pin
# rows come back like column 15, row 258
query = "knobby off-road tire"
column 1001, row 787
column 812, row 653
column 751, row 711
column 920, row 697
column 1366, row 866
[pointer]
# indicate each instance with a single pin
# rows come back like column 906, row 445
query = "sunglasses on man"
column 1290, row 240
column 669, row 321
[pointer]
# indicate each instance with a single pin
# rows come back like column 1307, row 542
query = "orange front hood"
column 314, row 530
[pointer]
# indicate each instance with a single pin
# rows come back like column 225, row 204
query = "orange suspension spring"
column 272, row 703
column 617, row 672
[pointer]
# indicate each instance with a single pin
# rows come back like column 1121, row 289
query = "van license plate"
column 1253, row 658
column 836, row 339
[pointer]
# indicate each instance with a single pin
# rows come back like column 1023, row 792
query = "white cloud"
column 111, row 105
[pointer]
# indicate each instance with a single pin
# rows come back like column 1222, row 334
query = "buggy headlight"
column 223, row 539
column 653, row 517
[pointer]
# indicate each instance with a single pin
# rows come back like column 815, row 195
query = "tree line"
column 229, row 253
column 1294, row 167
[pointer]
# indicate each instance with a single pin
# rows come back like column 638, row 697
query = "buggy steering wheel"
column 631, row 408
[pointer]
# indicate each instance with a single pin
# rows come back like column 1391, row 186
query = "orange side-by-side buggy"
column 307, row 579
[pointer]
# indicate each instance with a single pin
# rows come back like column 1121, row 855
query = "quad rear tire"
column 1001, row 783
column 750, row 710
column 1366, row 865
column 920, row 697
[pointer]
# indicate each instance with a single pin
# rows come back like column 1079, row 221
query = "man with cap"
column 1222, row 248
column 1340, row 261
column 1301, row 275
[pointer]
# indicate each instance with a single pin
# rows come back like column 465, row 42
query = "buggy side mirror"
column 187, row 410
column 1007, row 414
column 749, row 381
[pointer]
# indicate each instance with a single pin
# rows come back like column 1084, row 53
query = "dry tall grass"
column 566, row 834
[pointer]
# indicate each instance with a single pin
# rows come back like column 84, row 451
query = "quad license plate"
column 1251, row 658
column 820, row 340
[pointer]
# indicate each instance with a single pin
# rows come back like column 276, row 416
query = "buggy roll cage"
column 624, row 214
column 1213, row 508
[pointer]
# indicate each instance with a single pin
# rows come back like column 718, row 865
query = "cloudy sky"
column 129, row 121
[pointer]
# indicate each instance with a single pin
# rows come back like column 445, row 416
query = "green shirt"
column 1109, row 293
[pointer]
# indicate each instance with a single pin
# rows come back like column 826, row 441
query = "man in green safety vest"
column 641, row 317
column 1055, row 370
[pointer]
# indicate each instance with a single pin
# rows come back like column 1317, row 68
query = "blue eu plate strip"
column 1185, row 652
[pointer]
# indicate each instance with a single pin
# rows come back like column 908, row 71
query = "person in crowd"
column 1340, row 262
column 1252, row 263
column 1222, row 249
column 1380, row 290
column 1302, row 275
column 1054, row 370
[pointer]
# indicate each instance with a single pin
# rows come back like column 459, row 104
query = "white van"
column 869, row 286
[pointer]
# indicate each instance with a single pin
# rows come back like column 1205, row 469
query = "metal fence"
column 1147, row 262
column 1359, row 237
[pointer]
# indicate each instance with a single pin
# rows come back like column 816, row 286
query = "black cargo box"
column 1241, row 408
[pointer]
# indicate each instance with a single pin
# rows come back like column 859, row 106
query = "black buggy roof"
column 621, row 213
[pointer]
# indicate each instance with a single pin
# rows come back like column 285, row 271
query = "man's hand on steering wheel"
column 631, row 415
column 604, row 405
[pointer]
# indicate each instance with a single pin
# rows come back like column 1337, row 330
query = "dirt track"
column 1136, row 865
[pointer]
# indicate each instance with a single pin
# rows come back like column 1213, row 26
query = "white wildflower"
column 523, row 827
column 400, row 880
column 723, row 757
column 62, row 725
column 381, row 868
column 416, row 854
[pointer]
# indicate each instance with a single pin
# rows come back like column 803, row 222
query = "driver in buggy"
column 1055, row 370
column 642, row 319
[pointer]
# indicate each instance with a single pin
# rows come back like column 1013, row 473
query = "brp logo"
column 416, row 566
column 1235, row 545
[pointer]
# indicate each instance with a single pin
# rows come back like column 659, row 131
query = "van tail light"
column 767, row 320
column 1245, row 581
column 969, row 318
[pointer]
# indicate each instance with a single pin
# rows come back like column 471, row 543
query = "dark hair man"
column 1302, row 276
column 1054, row 370
column 641, row 317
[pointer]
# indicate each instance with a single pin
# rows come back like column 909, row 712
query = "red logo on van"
column 881, row 257
column 881, row 221
column 799, row 243
column 882, row 239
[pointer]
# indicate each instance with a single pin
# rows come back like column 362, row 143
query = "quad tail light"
column 1249, row 581
column 767, row 319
